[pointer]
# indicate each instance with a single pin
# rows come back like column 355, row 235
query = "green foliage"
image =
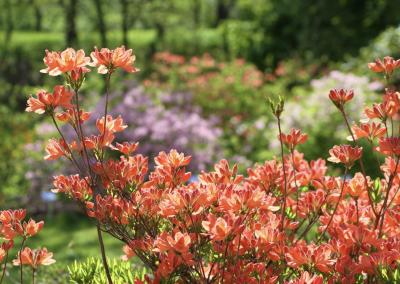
column 15, row 132
column 389, row 275
column 91, row 271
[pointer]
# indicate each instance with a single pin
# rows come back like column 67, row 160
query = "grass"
column 136, row 38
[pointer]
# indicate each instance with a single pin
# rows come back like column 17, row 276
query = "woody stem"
column 4, row 268
column 20, row 258
column 284, row 176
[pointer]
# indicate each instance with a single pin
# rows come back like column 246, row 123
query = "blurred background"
column 206, row 68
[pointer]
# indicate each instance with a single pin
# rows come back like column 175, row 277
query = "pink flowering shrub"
column 286, row 221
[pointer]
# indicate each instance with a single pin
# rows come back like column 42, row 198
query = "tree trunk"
column 125, row 24
column 9, row 22
column 196, row 13
column 101, row 22
column 38, row 16
column 224, row 8
column 71, row 35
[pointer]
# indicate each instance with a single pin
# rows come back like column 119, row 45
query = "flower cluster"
column 13, row 226
column 286, row 221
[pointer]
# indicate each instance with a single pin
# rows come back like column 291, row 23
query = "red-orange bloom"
column 388, row 65
column 340, row 96
column 107, row 60
column 112, row 125
column 60, row 97
column 218, row 228
column 294, row 138
column 345, row 154
column 66, row 61
column 32, row 227
column 389, row 146
column 172, row 159
column 368, row 130
column 356, row 187
column 126, row 148
column 34, row 258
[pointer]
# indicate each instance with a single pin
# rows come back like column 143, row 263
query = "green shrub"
column 91, row 271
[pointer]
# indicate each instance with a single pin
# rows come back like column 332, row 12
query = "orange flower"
column 388, row 65
column 60, row 97
column 34, row 258
column 126, row 148
column 218, row 228
column 107, row 60
column 33, row 227
column 9, row 216
column 128, row 252
column 112, row 125
column 294, row 138
column 368, row 130
column 345, row 154
column 340, row 97
column 389, row 146
column 356, row 187
column 69, row 116
column 67, row 61
column 56, row 149
column 172, row 159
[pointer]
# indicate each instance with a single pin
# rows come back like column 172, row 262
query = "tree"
column 38, row 14
column 101, row 22
column 70, row 8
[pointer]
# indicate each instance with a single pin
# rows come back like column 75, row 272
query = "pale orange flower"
column 126, row 148
column 45, row 101
column 34, row 258
column 389, row 146
column 388, row 65
column 367, row 130
column 107, row 60
column 340, row 97
column 112, row 125
column 172, row 159
column 294, row 138
column 218, row 228
column 66, row 61
column 345, row 154
column 56, row 149
column 33, row 227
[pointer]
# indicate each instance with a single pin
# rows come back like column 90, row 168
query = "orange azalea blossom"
column 34, row 258
column 318, row 255
column 180, row 243
column 60, row 97
column 66, row 61
column 218, row 228
column 56, row 149
column 345, row 154
column 340, row 97
column 10, row 216
column 389, row 146
column 32, row 227
column 388, row 65
column 172, row 159
column 356, row 186
column 107, row 60
column 112, row 125
column 294, row 138
column 307, row 278
column 370, row 131
column 125, row 148
column 69, row 116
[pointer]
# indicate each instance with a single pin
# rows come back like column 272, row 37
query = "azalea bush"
column 287, row 220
